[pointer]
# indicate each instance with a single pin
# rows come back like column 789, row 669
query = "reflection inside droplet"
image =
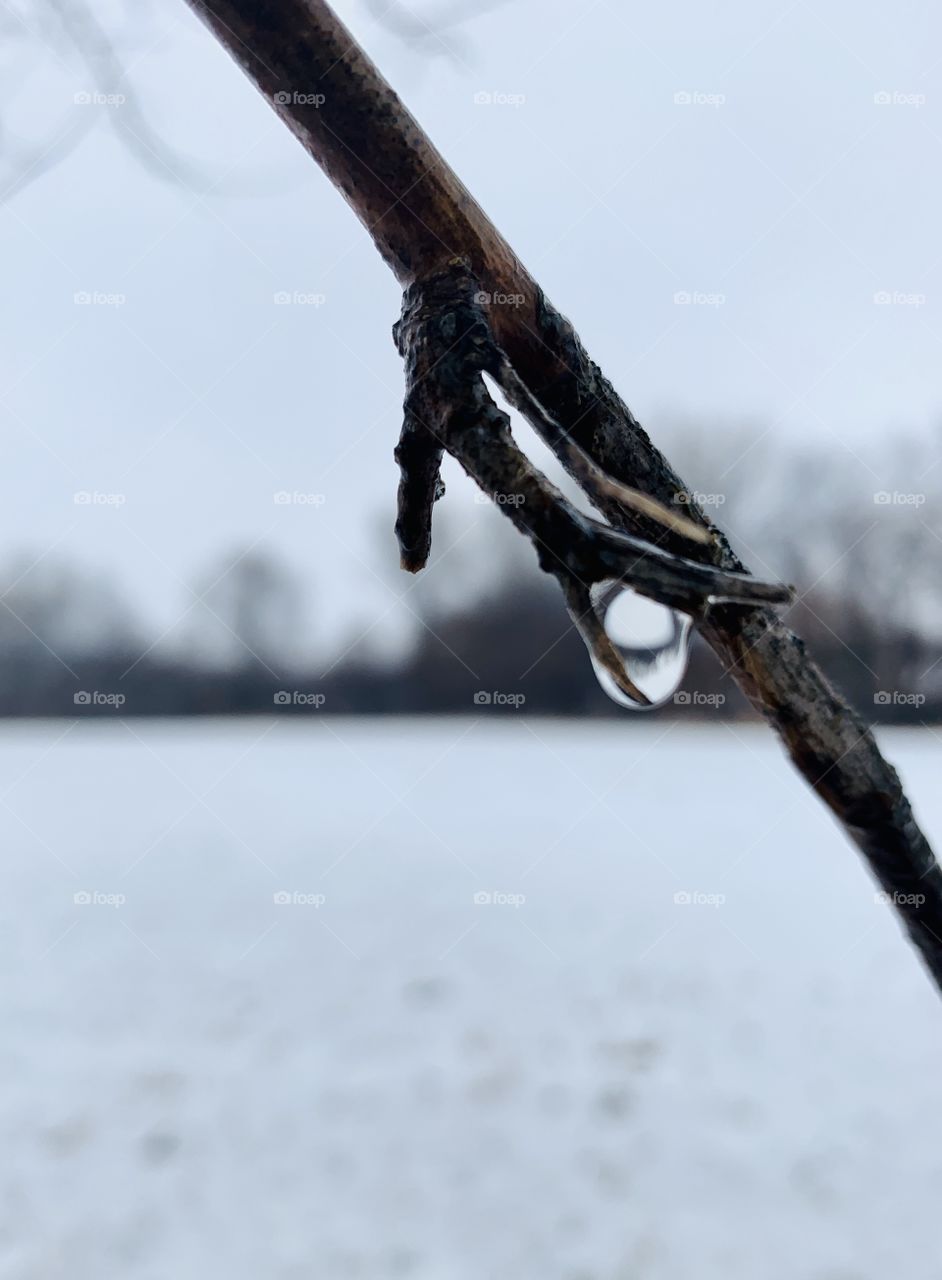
column 652, row 641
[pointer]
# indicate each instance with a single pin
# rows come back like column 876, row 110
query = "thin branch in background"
column 73, row 31
column 424, row 29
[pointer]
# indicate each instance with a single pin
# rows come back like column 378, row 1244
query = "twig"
column 419, row 455
column 594, row 481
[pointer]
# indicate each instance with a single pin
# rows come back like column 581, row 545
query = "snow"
column 579, row 1079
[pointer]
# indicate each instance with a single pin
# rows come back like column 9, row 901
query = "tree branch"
column 421, row 218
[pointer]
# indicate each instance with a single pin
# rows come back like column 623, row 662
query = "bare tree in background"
column 91, row 53
column 246, row 614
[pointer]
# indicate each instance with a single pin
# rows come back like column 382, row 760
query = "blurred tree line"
column 859, row 535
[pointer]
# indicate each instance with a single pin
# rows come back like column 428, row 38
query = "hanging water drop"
column 651, row 640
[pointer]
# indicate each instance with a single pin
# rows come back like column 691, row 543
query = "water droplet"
column 652, row 641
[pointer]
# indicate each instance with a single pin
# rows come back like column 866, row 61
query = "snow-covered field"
column 582, row 1077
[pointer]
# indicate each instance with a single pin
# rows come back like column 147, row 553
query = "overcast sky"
column 778, row 163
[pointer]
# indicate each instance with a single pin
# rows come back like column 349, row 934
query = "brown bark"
column 421, row 218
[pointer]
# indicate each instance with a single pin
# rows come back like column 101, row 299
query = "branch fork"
column 446, row 340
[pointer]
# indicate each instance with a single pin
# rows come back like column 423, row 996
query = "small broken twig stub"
column 419, row 454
